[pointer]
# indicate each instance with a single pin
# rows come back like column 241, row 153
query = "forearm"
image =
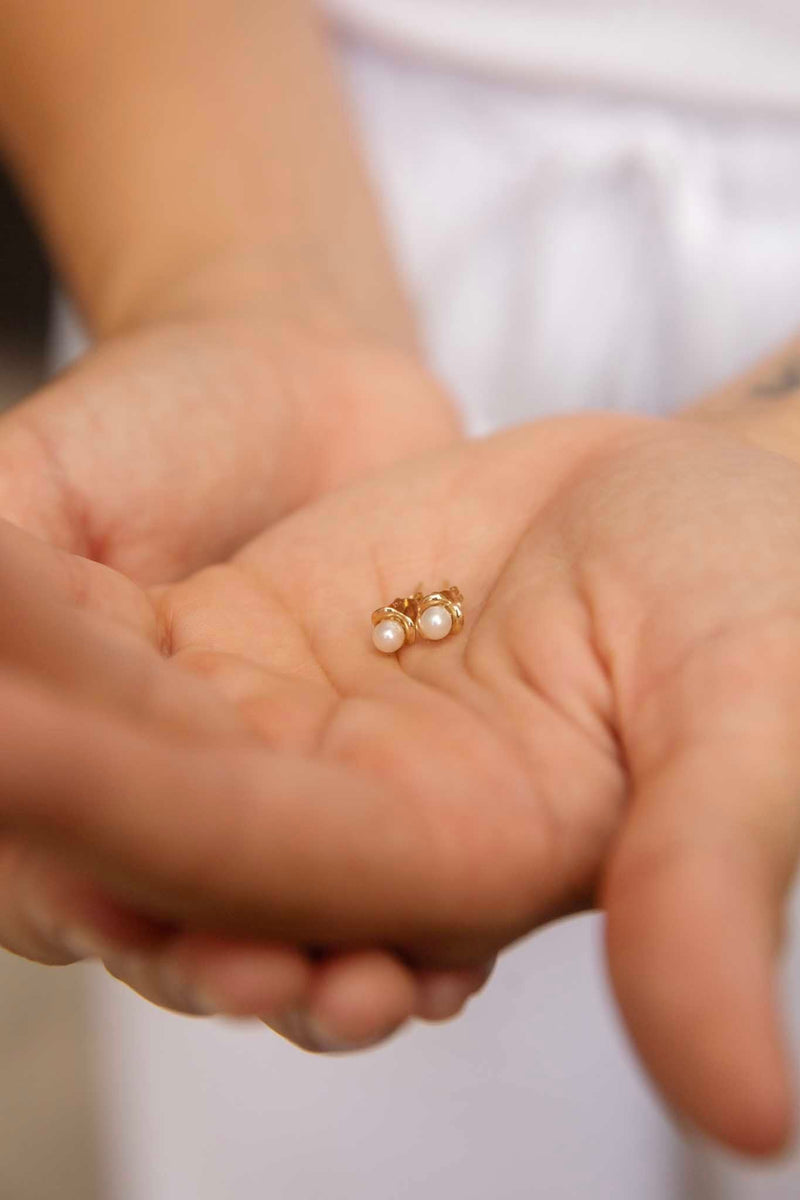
column 763, row 404
column 174, row 149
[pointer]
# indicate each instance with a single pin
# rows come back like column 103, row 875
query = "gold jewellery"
column 433, row 617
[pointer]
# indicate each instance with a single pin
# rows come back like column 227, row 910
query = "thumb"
column 695, row 894
column 235, row 838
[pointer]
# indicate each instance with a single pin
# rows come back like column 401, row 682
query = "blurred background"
column 47, row 1148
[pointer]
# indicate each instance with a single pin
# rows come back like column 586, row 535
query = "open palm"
column 615, row 725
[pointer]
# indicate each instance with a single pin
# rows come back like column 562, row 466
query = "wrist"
column 251, row 280
column 760, row 428
column 762, row 405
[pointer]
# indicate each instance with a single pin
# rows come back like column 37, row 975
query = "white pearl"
column 435, row 623
column 388, row 636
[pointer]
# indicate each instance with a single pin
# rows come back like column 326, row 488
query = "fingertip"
column 760, row 1123
column 766, row 1130
column 238, row 979
column 691, row 947
column 441, row 995
column 441, row 999
column 360, row 999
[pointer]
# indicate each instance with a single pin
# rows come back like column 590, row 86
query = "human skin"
column 191, row 166
column 575, row 745
column 254, row 348
column 761, row 404
column 192, row 169
column 167, row 448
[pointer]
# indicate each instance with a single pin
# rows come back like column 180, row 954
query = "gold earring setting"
column 440, row 614
column 434, row 616
column 393, row 626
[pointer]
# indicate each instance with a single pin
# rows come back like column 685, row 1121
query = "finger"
column 346, row 1002
column 37, row 578
column 50, row 913
column 202, row 976
column 357, row 1000
column 86, row 629
column 695, row 897
column 441, row 995
column 232, row 977
column 243, row 838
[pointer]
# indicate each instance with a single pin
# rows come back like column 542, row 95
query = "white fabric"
column 569, row 253
column 722, row 52
column 563, row 254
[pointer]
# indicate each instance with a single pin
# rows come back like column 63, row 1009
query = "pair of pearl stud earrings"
column 433, row 617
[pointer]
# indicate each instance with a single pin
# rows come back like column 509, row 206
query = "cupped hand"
column 615, row 725
column 111, row 752
column 169, row 445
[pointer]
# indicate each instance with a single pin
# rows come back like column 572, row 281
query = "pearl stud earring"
column 440, row 614
column 393, row 626
column 434, row 617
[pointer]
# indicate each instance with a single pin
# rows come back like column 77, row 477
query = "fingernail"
column 299, row 1027
column 205, row 1005
column 324, row 1040
column 442, row 999
column 84, row 943
column 185, row 996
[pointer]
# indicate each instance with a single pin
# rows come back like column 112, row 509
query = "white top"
column 719, row 52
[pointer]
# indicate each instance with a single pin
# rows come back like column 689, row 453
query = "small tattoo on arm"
column 784, row 381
